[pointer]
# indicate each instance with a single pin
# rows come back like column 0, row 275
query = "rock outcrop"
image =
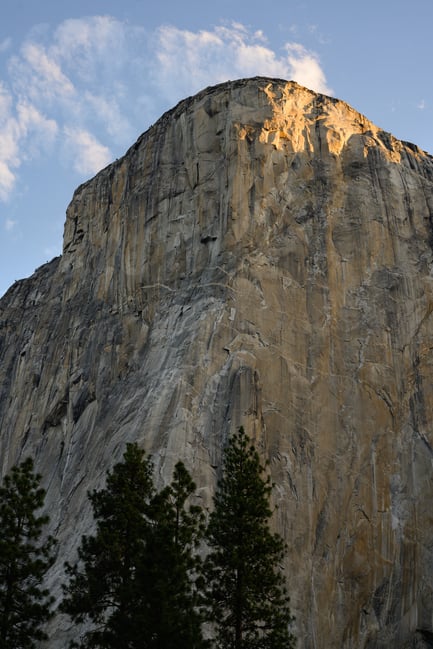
column 262, row 256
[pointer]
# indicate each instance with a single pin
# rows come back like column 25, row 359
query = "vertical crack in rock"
column 261, row 256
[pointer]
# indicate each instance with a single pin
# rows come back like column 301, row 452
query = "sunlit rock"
column 261, row 256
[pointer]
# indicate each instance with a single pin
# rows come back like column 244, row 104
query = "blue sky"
column 79, row 82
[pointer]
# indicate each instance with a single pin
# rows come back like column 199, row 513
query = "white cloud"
column 54, row 94
column 95, row 46
column 23, row 132
column 38, row 76
column 421, row 104
column 9, row 138
column 87, row 154
column 31, row 118
column 39, row 130
column 7, row 180
column 188, row 61
column 5, row 44
column 92, row 84
column 6, row 102
column 9, row 225
column 306, row 69
column 110, row 113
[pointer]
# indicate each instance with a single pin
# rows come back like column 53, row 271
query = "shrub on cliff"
column 246, row 595
column 25, row 556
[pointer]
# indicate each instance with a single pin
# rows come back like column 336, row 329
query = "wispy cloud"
column 306, row 69
column 9, row 139
column 24, row 131
column 96, row 47
column 87, row 154
column 5, row 44
column 41, row 73
column 111, row 113
column 38, row 130
column 71, row 86
column 186, row 61
column 93, row 84
column 7, row 178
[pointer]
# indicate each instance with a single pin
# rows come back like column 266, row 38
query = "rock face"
column 261, row 256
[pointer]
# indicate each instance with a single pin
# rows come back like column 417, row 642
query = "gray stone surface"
column 261, row 256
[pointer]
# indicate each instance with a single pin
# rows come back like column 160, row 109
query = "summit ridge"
column 261, row 256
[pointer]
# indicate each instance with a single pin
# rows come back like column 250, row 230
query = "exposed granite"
column 261, row 256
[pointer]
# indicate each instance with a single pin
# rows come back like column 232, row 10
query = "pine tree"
column 102, row 584
column 169, row 605
column 25, row 556
column 246, row 595
column 132, row 580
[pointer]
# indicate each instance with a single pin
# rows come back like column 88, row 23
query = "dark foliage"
column 133, row 579
column 169, row 604
column 25, row 556
column 246, row 596
column 102, row 585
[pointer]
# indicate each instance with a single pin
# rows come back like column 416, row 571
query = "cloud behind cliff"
column 106, row 78
column 91, row 85
column 187, row 61
column 84, row 151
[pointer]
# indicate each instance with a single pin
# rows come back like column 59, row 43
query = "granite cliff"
column 263, row 256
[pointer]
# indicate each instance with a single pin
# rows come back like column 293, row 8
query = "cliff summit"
column 261, row 256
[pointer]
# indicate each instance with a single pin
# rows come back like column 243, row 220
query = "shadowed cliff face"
column 261, row 256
